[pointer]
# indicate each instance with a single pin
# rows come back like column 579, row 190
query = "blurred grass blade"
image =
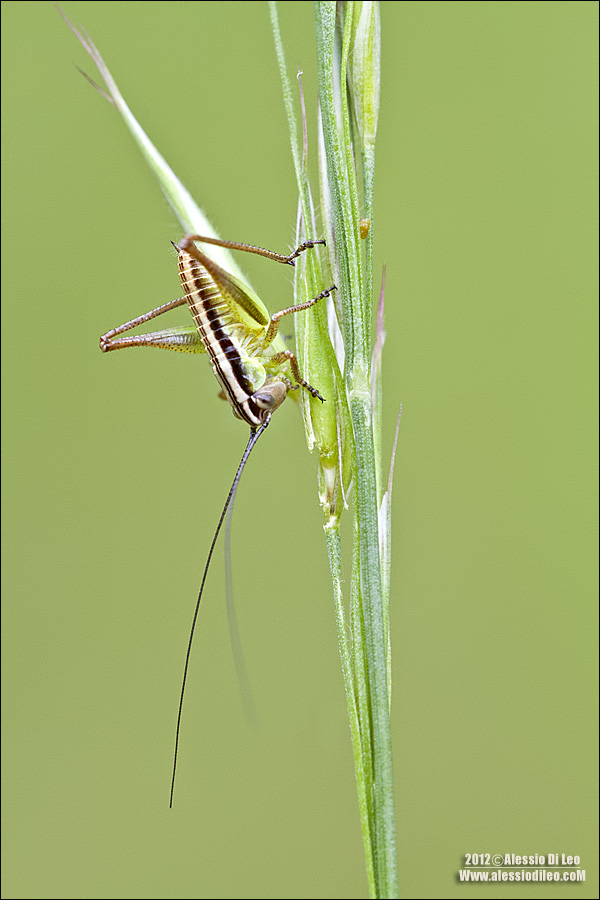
column 191, row 217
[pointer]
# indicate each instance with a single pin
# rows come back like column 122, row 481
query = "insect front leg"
column 288, row 356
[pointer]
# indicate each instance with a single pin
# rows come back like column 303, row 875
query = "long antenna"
column 237, row 650
column 254, row 436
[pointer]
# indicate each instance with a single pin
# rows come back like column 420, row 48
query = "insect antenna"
column 255, row 433
column 237, row 650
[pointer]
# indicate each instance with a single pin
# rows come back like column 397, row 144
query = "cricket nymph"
column 234, row 328
column 232, row 325
column 249, row 375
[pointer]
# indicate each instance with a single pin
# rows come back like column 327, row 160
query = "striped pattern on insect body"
column 237, row 334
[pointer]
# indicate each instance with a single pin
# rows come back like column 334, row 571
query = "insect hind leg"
column 111, row 341
column 186, row 243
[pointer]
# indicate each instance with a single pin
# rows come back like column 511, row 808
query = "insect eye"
column 265, row 399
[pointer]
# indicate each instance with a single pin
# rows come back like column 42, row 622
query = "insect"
column 234, row 328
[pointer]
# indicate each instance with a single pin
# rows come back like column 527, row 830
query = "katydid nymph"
column 234, row 328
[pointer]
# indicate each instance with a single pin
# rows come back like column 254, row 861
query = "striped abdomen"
column 216, row 329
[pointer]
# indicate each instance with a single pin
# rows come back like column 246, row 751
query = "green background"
column 116, row 466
